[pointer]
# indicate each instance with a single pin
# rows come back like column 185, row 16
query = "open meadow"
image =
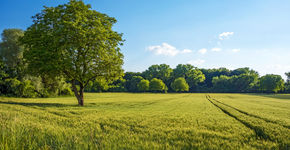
column 147, row 121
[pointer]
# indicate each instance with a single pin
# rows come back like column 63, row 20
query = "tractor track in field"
column 258, row 131
column 252, row 115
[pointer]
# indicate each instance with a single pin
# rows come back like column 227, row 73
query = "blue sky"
column 205, row 33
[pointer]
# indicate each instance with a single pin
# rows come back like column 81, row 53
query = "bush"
column 27, row 89
column 20, row 89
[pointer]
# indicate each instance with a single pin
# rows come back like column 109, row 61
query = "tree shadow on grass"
column 276, row 96
column 38, row 104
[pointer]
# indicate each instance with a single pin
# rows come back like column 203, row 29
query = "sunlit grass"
column 138, row 121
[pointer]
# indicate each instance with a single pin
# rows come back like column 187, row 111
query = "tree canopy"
column 271, row 83
column 192, row 75
column 180, row 85
column 76, row 42
column 157, row 85
column 143, row 85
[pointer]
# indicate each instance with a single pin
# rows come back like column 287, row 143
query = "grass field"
column 147, row 121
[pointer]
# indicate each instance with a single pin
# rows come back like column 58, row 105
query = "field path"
column 264, row 128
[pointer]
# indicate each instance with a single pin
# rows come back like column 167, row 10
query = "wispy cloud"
column 236, row 50
column 202, row 51
column 216, row 49
column 225, row 35
column 167, row 50
column 186, row 51
column 196, row 62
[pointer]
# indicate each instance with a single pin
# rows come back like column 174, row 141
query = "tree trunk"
column 81, row 100
column 79, row 94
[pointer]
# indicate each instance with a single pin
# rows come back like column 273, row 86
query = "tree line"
column 17, row 81
column 187, row 78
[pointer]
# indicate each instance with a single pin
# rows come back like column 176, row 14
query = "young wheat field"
column 147, row 121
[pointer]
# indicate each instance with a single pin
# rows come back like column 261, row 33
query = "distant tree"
column 134, row 83
column 76, row 42
column 244, row 82
column 241, row 71
column 222, row 84
column 271, row 83
column 118, row 86
column 143, row 85
column 179, row 85
column 287, row 84
column 11, row 51
column 98, row 85
column 288, row 76
column 211, row 73
column 3, row 77
column 192, row 75
column 161, row 71
column 128, row 77
column 157, row 85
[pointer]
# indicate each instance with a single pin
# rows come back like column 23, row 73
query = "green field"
column 147, row 121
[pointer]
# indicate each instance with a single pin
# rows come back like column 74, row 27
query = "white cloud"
column 186, row 51
column 196, row 62
column 225, row 35
column 202, row 51
column 167, row 50
column 236, row 50
column 216, row 49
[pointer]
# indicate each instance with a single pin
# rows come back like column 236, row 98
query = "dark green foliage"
column 288, row 76
column 236, row 84
column 211, row 73
column 179, row 85
column 118, row 86
column 11, row 52
column 157, row 85
column 20, row 89
column 3, row 76
column 13, row 74
column 10, row 49
column 271, row 83
column 133, row 83
column 245, row 70
column 287, row 84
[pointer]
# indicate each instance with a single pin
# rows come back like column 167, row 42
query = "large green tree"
column 161, row 71
column 192, row 75
column 133, row 83
column 271, row 83
column 143, row 85
column 157, row 85
column 179, row 85
column 76, row 42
